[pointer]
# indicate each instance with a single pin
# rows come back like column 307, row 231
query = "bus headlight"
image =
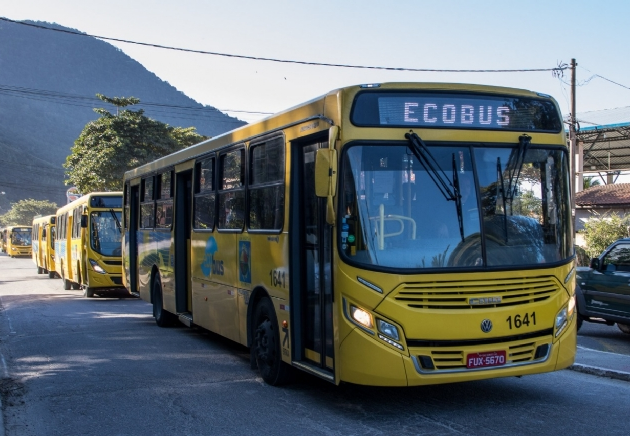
column 561, row 321
column 361, row 316
column 387, row 329
column 571, row 306
column 96, row 267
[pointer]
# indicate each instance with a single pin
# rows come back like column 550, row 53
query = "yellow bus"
column 17, row 241
column 88, row 243
column 3, row 244
column 43, row 244
column 390, row 234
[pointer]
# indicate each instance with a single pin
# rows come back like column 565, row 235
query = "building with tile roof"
column 601, row 200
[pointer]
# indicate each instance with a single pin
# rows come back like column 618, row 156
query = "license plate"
column 482, row 360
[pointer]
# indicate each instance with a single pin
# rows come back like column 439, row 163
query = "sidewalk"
column 602, row 363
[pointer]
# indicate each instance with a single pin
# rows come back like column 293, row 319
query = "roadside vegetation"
column 599, row 233
column 115, row 143
column 22, row 212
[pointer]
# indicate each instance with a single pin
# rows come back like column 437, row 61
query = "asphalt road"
column 76, row 366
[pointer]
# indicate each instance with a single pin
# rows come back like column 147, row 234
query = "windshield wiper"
column 514, row 166
column 449, row 190
column 458, row 199
column 430, row 164
column 118, row 226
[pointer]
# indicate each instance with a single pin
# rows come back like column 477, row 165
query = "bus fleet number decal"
column 278, row 278
column 519, row 321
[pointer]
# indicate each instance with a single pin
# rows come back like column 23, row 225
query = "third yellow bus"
column 43, row 244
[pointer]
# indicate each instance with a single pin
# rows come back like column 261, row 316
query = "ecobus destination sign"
column 460, row 111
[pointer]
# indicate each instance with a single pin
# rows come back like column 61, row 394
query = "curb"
column 600, row 372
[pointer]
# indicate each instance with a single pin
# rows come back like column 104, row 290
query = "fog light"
column 96, row 267
column 361, row 316
column 387, row 329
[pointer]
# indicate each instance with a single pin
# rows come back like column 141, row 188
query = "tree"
column 599, row 233
column 589, row 182
column 113, row 144
column 23, row 212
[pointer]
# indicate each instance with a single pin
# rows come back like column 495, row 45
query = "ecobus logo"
column 210, row 266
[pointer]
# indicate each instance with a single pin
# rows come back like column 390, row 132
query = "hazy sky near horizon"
column 445, row 34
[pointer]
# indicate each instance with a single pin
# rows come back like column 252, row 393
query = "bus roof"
column 314, row 109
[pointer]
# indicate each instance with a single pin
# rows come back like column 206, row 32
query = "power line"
column 191, row 112
column 556, row 70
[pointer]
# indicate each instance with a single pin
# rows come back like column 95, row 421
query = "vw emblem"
column 486, row 326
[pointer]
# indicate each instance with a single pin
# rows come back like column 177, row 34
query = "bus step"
column 186, row 319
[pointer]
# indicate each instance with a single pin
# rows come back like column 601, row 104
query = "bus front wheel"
column 266, row 345
column 163, row 318
column 88, row 292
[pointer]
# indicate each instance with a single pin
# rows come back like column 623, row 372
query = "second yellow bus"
column 88, row 244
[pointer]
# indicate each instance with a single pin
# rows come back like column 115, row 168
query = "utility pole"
column 573, row 141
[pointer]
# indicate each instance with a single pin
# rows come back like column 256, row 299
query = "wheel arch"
column 155, row 272
column 258, row 294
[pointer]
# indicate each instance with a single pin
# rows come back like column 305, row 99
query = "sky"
column 444, row 34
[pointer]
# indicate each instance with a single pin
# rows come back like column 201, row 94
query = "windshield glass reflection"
column 105, row 235
column 509, row 209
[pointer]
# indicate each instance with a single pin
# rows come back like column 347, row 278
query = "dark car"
column 603, row 289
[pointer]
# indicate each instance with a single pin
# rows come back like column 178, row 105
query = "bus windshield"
column 105, row 235
column 470, row 206
column 21, row 237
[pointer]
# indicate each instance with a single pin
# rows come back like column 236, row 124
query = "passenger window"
column 204, row 206
column 266, row 187
column 232, row 190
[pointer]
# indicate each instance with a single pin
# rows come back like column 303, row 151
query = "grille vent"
column 457, row 294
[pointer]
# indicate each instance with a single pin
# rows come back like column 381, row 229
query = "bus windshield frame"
column 504, row 206
column 105, row 232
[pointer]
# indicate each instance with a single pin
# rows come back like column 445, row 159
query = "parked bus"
column 43, row 245
column 3, row 244
column 88, row 243
column 389, row 234
column 17, row 241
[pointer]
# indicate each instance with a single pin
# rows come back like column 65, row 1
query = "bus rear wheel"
column 163, row 318
column 51, row 274
column 266, row 345
column 40, row 270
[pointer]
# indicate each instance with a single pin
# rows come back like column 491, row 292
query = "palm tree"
column 590, row 181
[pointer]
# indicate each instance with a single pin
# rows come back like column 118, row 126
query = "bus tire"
column 51, row 274
column 624, row 328
column 163, row 318
column 40, row 270
column 75, row 286
column 88, row 292
column 266, row 345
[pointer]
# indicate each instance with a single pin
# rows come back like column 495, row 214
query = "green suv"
column 603, row 290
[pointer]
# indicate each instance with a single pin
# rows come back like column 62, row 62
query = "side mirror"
column 84, row 221
column 53, row 220
column 595, row 263
column 325, row 172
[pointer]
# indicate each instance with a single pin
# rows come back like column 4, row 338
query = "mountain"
column 48, row 83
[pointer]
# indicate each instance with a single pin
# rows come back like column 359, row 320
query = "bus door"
column 134, row 217
column 182, row 231
column 312, row 289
